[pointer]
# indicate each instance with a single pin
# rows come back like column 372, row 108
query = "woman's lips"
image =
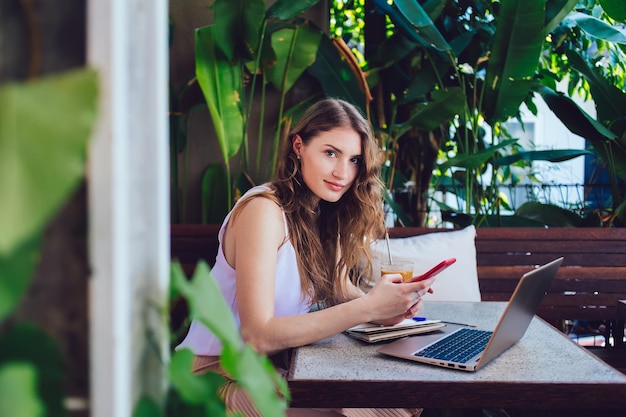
column 334, row 186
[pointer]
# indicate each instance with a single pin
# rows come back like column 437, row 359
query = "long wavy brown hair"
column 330, row 239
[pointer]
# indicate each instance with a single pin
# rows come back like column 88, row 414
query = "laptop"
column 469, row 349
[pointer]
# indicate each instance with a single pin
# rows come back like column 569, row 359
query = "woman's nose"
column 341, row 168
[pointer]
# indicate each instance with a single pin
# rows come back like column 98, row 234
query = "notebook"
column 469, row 349
column 373, row 333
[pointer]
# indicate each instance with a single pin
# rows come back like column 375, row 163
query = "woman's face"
column 330, row 162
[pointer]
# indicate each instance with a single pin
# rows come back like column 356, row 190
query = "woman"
column 296, row 242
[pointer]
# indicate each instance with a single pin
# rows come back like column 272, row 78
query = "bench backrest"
column 587, row 286
column 589, row 283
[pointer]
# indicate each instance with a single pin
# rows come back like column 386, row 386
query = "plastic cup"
column 404, row 268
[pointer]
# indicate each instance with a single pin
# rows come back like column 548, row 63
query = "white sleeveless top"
column 289, row 299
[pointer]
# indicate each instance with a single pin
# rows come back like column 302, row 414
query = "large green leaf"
column 549, row 214
column 434, row 8
column 410, row 18
column 237, row 27
column 258, row 377
column 147, row 407
column 254, row 372
column 18, row 392
column 287, row 9
column 610, row 101
column 214, row 188
column 554, row 155
column 335, row 75
column 206, row 302
column 582, row 124
column 422, row 23
column 44, row 129
column 556, row 10
column 194, row 389
column 221, row 85
column 615, row 8
column 514, row 57
column 444, row 106
column 296, row 49
column 573, row 117
column 475, row 160
column 481, row 220
column 27, row 343
column 597, row 28
column 16, row 271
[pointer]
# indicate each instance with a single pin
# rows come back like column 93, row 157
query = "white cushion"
column 457, row 283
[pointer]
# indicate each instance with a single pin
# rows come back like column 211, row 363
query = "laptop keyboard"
column 458, row 347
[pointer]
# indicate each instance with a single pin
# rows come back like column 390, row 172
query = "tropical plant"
column 46, row 124
column 248, row 54
column 447, row 78
column 197, row 395
column 591, row 54
column 446, row 75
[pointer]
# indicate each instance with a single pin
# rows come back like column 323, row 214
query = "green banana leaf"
column 193, row 388
column 549, row 214
column 514, row 56
column 414, row 22
column 573, row 117
column 595, row 27
column 403, row 218
column 18, row 391
column 335, row 75
column 427, row 77
column 253, row 372
column 555, row 155
column 287, row 9
column 17, row 270
column 422, row 23
column 463, row 220
column 221, row 86
column 530, row 214
column 434, row 8
column 610, row 101
column 147, row 407
column 27, row 343
column 616, row 9
column 214, row 205
column 296, row 49
column 44, row 130
column 556, row 10
column 475, row 160
column 211, row 309
column 582, row 124
column 444, row 105
column 237, row 27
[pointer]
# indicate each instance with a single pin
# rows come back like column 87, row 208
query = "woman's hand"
column 392, row 300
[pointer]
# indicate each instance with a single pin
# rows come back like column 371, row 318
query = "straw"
column 388, row 247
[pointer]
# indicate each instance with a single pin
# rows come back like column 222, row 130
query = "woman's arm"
column 251, row 245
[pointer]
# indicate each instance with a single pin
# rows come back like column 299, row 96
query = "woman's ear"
column 296, row 144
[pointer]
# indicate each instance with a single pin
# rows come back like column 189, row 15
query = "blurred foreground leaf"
column 44, row 128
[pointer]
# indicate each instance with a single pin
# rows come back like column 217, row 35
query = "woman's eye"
column 355, row 161
column 332, row 154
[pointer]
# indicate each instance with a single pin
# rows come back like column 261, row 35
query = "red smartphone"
column 435, row 270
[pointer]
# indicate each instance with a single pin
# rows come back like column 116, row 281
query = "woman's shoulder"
column 259, row 189
column 259, row 218
column 260, row 203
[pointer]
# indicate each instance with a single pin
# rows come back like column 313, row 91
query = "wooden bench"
column 587, row 287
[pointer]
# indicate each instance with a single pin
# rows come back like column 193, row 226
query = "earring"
column 299, row 157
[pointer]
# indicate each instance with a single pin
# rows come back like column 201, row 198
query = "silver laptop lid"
column 520, row 310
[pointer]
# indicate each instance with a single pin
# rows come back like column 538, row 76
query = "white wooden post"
column 128, row 182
